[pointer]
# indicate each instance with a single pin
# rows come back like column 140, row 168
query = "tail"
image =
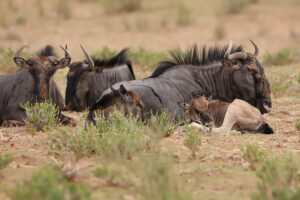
column 266, row 129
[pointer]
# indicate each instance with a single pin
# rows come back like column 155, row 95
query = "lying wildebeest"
column 239, row 115
column 32, row 83
column 226, row 72
column 88, row 79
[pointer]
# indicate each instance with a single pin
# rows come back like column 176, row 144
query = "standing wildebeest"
column 32, row 83
column 227, row 72
column 88, row 79
column 238, row 115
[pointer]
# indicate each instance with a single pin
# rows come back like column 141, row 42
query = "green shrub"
column 159, row 179
column 279, row 178
column 147, row 58
column 298, row 78
column 285, row 56
column 183, row 15
column 252, row 153
column 118, row 137
column 298, row 125
column 49, row 184
column 117, row 6
column 104, row 53
column 41, row 116
column 279, row 85
column 162, row 124
column 192, row 139
column 5, row 159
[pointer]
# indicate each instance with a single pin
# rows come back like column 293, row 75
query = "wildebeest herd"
column 233, row 79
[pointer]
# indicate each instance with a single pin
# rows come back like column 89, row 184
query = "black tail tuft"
column 266, row 129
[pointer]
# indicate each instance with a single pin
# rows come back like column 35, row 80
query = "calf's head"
column 197, row 110
column 42, row 69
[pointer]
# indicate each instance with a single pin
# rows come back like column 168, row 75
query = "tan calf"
column 239, row 115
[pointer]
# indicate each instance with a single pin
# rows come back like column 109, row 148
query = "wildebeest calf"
column 238, row 115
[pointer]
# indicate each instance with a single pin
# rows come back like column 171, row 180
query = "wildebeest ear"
column 62, row 63
column 184, row 105
column 123, row 92
column 21, row 62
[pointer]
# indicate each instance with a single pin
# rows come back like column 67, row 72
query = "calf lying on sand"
column 239, row 115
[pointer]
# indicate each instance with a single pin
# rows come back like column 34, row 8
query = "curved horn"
column 238, row 55
column 89, row 59
column 17, row 54
column 67, row 53
column 256, row 48
column 228, row 51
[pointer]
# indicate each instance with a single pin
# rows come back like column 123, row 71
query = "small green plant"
column 104, row 53
column 279, row 85
column 63, row 9
column 159, row 179
column 5, row 159
column 49, row 184
column 112, row 176
column 41, row 116
column 183, row 15
column 252, row 153
column 161, row 123
column 283, row 57
column 21, row 20
column 298, row 125
column 192, row 139
column 117, row 6
column 279, row 178
column 298, row 78
column 147, row 58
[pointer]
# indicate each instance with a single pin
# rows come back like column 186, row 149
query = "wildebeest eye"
column 28, row 62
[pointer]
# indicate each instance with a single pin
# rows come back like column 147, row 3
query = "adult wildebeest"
column 32, row 83
column 239, row 115
column 88, row 79
column 226, row 72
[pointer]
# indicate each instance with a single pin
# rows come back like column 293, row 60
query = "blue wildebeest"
column 32, row 83
column 226, row 72
column 87, row 80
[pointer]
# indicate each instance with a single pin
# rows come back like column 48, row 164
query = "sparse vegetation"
column 283, row 57
column 279, row 178
column 220, row 32
column 5, row 159
column 192, row 140
column 48, row 183
column 41, row 116
column 298, row 125
column 147, row 58
column 117, row 6
column 63, row 9
column 252, row 153
column 183, row 15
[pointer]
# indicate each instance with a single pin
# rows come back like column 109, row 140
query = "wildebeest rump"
column 88, row 79
column 239, row 115
column 32, row 83
column 226, row 72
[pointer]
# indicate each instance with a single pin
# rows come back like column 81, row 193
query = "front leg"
column 65, row 120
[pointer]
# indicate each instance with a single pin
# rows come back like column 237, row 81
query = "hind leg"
column 13, row 123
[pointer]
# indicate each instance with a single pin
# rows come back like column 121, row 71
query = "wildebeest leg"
column 13, row 123
column 230, row 119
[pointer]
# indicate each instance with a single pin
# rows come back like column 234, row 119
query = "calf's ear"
column 21, row 62
column 184, row 105
column 123, row 92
